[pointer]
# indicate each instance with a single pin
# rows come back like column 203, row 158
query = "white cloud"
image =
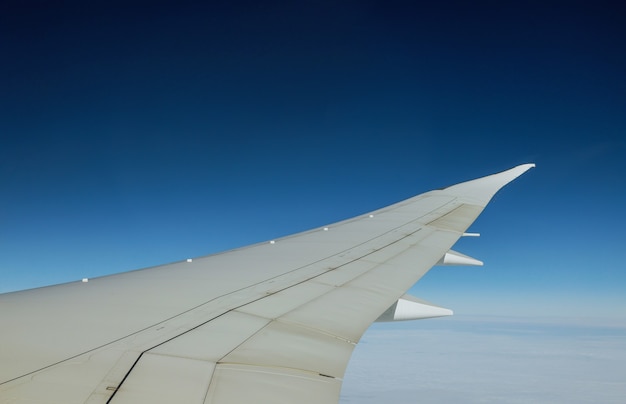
column 479, row 360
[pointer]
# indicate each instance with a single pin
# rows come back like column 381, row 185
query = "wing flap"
column 238, row 383
column 287, row 345
column 166, row 379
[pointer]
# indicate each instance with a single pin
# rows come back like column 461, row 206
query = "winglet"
column 481, row 190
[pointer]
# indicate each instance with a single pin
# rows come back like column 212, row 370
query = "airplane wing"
column 274, row 322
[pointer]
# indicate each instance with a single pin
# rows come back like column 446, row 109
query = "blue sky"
column 135, row 134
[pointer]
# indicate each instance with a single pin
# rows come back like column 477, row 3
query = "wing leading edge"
column 275, row 322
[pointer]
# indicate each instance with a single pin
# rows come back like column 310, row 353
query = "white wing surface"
column 274, row 322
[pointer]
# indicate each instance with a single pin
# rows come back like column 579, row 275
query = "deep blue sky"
column 138, row 133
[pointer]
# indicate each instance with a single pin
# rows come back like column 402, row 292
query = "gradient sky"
column 139, row 133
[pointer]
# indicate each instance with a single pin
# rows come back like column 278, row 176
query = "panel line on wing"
column 317, row 331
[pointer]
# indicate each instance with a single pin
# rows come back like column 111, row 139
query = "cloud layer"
column 478, row 360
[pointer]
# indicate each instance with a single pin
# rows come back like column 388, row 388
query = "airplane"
column 274, row 322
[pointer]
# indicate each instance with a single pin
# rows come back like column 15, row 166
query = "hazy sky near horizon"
column 135, row 134
column 489, row 360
